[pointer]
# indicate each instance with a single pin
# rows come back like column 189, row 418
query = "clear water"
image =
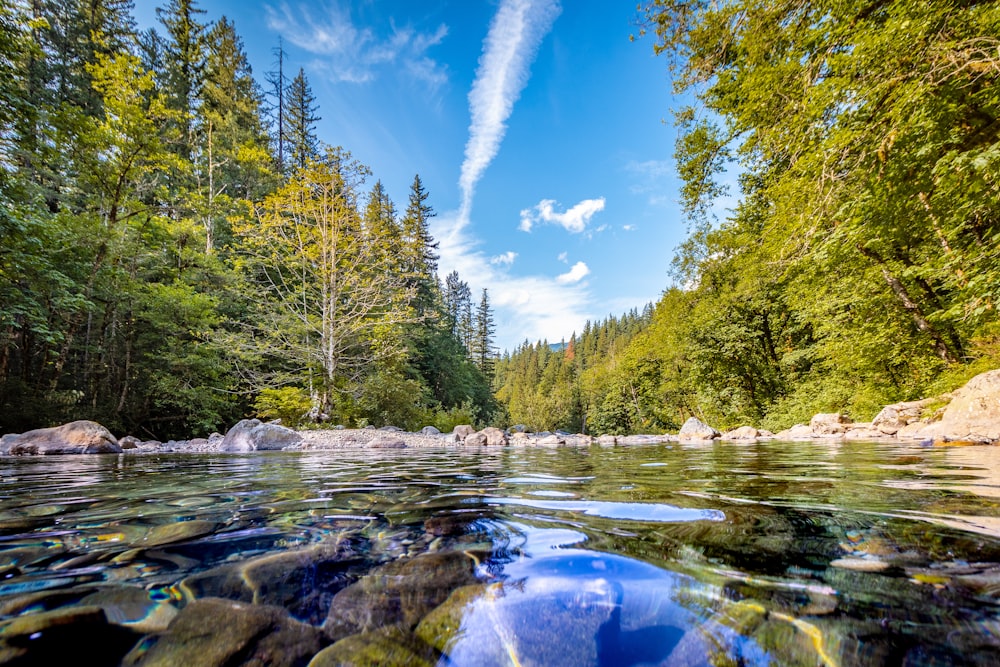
column 772, row 553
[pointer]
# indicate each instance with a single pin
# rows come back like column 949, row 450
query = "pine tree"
column 483, row 353
column 300, row 119
column 185, row 59
column 419, row 258
column 234, row 162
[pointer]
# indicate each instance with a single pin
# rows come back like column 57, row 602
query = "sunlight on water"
column 771, row 553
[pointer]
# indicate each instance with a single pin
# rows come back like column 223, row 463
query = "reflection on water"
column 773, row 553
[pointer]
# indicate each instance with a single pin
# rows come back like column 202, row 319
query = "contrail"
column 508, row 51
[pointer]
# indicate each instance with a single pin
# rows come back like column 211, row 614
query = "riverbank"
column 969, row 415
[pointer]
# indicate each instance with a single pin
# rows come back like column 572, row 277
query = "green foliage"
column 289, row 404
column 155, row 272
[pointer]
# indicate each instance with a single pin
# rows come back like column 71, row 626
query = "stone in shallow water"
column 213, row 633
column 385, row 648
column 546, row 621
column 182, row 531
column 79, row 437
column 56, row 637
column 132, row 607
column 401, row 592
column 303, row 581
column 861, row 564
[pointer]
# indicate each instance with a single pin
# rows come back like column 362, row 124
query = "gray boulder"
column 250, row 435
column 695, row 429
column 430, row 430
column 475, row 440
column 494, row 436
column 79, row 437
column 387, row 442
column 463, row 430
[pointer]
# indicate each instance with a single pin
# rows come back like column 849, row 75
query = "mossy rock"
column 386, row 648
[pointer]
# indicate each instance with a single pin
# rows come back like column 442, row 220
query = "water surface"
column 771, row 553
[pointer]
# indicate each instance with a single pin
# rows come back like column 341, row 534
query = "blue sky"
column 541, row 132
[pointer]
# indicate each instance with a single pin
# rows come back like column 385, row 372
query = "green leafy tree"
column 326, row 302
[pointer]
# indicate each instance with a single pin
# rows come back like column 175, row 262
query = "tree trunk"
column 903, row 296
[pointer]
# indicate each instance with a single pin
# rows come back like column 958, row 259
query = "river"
column 717, row 554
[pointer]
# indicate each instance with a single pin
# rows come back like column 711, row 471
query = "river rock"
column 899, row 415
column 430, row 430
column 829, row 423
column 475, row 440
column 695, row 429
column 182, row 531
column 303, row 581
column 387, row 442
column 797, row 432
column 463, row 430
column 551, row 440
column 129, row 442
column 79, row 437
column 399, row 593
column 494, row 436
column 388, row 647
column 741, row 433
column 212, row 632
column 132, row 607
column 56, row 638
column 251, row 435
column 515, row 622
column 972, row 415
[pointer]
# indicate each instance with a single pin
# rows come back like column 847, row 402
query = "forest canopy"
column 180, row 249
column 861, row 265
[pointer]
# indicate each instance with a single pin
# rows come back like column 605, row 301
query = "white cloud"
column 578, row 272
column 506, row 258
column 628, row 228
column 515, row 33
column 574, row 220
column 563, row 257
column 355, row 54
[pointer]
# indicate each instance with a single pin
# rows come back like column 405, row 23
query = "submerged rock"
column 303, row 581
column 212, row 632
column 251, row 435
column 56, row 638
column 389, row 647
column 181, row 531
column 400, row 593
column 79, row 437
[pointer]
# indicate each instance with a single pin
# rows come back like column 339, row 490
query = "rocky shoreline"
column 970, row 415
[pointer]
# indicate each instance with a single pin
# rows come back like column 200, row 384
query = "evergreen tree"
column 300, row 122
column 418, row 256
column 185, row 56
column 483, row 353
